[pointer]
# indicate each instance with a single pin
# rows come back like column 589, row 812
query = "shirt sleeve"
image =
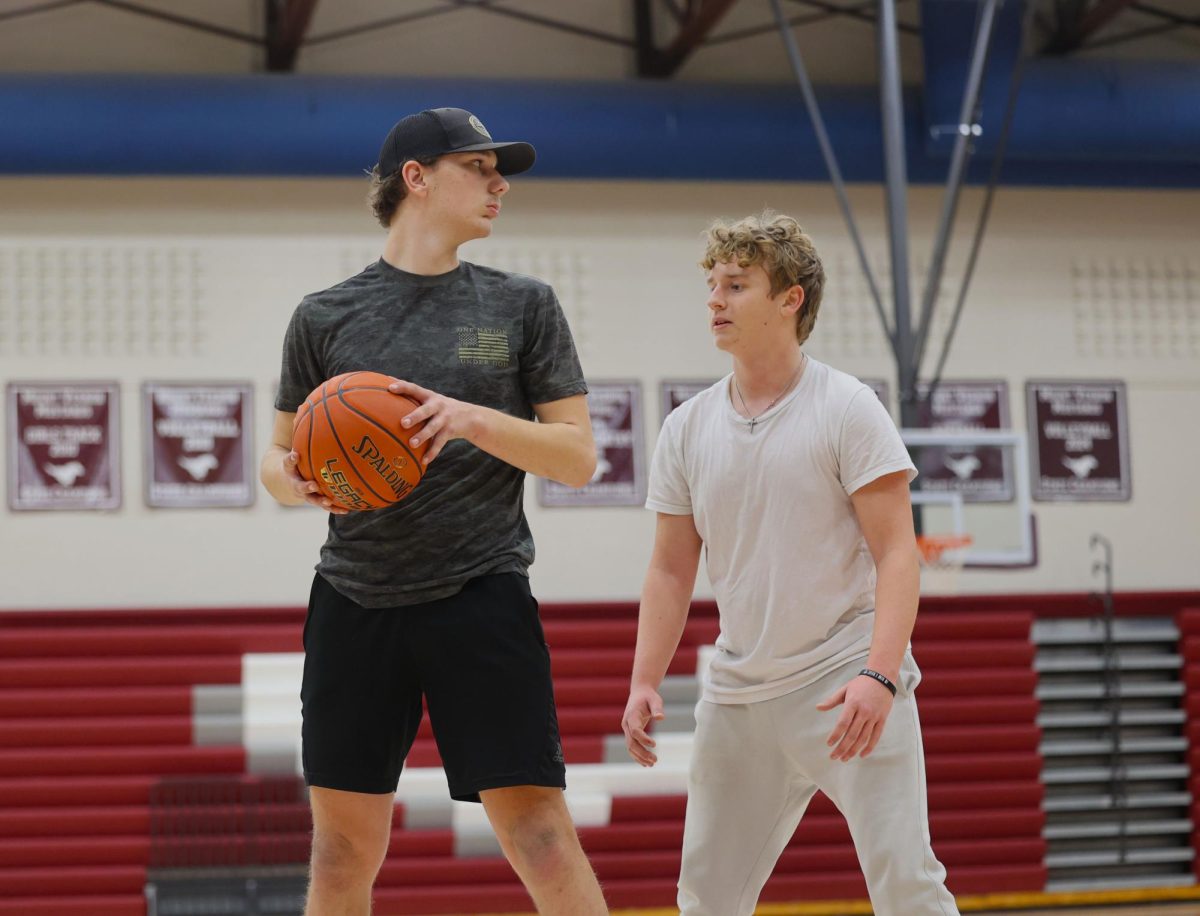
column 550, row 367
column 869, row 445
column 668, row 490
column 301, row 369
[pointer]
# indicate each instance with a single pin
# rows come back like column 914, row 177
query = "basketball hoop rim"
column 933, row 546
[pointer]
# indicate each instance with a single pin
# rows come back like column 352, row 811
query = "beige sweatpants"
column 756, row 766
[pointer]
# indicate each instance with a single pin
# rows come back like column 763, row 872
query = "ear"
column 793, row 299
column 416, row 177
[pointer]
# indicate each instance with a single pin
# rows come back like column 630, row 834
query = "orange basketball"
column 349, row 439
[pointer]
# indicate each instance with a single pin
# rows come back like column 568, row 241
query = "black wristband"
column 881, row 678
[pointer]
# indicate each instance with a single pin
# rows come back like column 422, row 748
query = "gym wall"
column 623, row 255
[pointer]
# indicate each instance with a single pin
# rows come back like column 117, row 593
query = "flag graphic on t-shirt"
column 483, row 346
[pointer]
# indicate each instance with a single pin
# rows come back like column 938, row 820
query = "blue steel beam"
column 1078, row 123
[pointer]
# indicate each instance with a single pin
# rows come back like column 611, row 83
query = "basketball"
column 350, row 442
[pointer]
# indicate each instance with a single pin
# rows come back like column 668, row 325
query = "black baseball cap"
column 437, row 131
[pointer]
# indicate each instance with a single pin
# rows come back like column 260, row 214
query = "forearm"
column 274, row 478
column 562, row 452
column 666, row 599
column 897, row 592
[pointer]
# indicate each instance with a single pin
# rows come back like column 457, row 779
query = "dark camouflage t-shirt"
column 474, row 334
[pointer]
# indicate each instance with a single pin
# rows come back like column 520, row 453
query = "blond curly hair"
column 782, row 248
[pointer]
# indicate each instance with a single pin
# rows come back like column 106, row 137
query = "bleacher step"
column 1096, row 691
column 1103, row 802
column 1106, row 829
column 1124, row 661
column 1074, row 632
column 1103, row 718
column 1058, row 747
column 1072, row 775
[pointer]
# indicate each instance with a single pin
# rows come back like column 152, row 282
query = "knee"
column 543, row 842
column 345, row 861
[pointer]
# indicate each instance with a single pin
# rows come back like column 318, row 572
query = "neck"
column 418, row 249
column 764, row 375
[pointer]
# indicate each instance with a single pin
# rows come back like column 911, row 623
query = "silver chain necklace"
column 788, row 387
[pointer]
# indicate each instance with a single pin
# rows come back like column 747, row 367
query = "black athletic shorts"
column 478, row 657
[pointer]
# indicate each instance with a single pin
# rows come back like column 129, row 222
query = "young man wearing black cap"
column 430, row 597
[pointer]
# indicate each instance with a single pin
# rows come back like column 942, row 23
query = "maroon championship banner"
column 673, row 392
column 63, row 445
column 620, row 478
column 198, row 452
column 981, row 473
column 1080, row 433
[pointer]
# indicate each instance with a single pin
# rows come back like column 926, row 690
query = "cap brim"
column 511, row 158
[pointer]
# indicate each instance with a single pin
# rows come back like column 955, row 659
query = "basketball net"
column 942, row 559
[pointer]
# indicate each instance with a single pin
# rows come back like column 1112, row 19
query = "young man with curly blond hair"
column 792, row 479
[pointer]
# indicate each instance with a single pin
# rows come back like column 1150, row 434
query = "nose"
column 500, row 185
column 715, row 301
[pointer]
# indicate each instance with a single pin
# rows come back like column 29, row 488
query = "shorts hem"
column 341, row 784
column 469, row 792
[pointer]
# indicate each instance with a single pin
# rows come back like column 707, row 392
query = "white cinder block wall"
column 623, row 255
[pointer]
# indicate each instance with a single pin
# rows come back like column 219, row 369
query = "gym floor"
column 1142, row 909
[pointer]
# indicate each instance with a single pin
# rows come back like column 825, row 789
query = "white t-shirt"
column 790, row 569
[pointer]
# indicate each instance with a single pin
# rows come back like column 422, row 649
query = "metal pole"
column 835, row 174
column 1118, row 783
column 958, row 162
column 1010, row 107
column 896, row 176
column 896, row 172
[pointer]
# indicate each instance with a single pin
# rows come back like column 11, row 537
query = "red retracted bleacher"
column 96, row 714
column 96, row 717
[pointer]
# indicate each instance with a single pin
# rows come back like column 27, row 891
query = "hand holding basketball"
column 348, row 440
column 444, row 418
column 307, row 490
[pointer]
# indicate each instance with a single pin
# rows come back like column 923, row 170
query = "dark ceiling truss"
column 1076, row 20
column 484, row 6
column 197, row 25
column 376, row 25
column 36, row 8
column 829, row 11
column 696, row 19
column 1149, row 10
column 1172, row 21
column 147, row 12
column 1074, row 24
column 286, row 25
column 287, row 21
column 1070, row 26
column 558, row 25
column 853, row 12
column 138, row 10
column 677, row 9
